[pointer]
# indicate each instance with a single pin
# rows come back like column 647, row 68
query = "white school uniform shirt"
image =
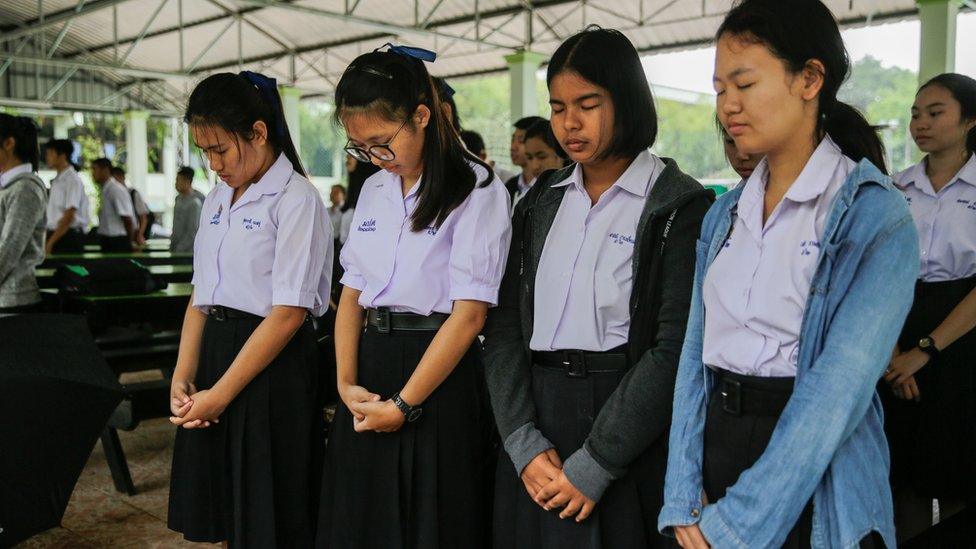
column 426, row 271
column 521, row 187
column 271, row 247
column 68, row 191
column 756, row 289
column 946, row 221
column 116, row 203
column 585, row 275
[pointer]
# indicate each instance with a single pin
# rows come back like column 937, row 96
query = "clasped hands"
column 194, row 409
column 547, row 485
column 369, row 411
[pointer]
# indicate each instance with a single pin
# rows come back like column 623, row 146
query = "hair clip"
column 409, row 51
column 370, row 70
column 269, row 90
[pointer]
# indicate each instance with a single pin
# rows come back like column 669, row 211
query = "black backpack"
column 110, row 276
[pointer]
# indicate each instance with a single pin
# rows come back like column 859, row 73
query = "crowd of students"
column 594, row 353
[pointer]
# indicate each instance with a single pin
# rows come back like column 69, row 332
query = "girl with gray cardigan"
column 582, row 350
column 23, row 200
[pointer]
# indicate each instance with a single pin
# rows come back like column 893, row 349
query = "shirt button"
column 695, row 513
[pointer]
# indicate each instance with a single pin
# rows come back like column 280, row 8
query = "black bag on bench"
column 110, row 276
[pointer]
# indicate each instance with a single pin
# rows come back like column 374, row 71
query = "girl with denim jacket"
column 803, row 279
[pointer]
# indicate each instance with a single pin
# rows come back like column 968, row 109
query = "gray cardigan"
column 638, row 413
column 22, row 220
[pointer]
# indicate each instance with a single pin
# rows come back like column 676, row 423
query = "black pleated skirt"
column 252, row 478
column 933, row 441
column 626, row 515
column 424, row 486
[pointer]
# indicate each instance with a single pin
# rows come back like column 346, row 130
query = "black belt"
column 221, row 313
column 752, row 395
column 386, row 321
column 580, row 363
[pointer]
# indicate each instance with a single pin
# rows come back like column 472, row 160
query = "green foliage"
column 320, row 139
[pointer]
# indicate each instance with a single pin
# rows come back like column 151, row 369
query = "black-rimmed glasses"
column 381, row 152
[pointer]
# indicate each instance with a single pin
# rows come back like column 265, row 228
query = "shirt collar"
column 272, row 182
column 634, row 180
column 818, row 172
column 916, row 176
column 968, row 171
column 9, row 175
column 523, row 186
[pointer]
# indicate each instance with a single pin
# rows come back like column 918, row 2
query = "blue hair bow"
column 409, row 51
column 269, row 90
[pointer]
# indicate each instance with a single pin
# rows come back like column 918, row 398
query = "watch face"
column 414, row 414
column 925, row 342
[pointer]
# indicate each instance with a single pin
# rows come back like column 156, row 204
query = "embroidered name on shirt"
column 806, row 245
column 367, row 226
column 970, row 204
column 250, row 223
column 431, row 230
column 618, row 238
column 215, row 220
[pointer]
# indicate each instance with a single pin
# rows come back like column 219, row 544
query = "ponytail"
column 856, row 138
column 963, row 89
column 23, row 130
column 235, row 102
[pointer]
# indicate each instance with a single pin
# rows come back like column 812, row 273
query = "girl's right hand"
column 180, row 391
column 354, row 394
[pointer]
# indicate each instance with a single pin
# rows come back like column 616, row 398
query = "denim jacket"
column 829, row 443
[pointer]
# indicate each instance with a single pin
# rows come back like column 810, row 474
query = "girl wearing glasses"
column 408, row 451
column 582, row 350
column 243, row 392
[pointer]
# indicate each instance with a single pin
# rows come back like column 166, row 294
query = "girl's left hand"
column 382, row 417
column 561, row 493
column 206, row 409
column 905, row 366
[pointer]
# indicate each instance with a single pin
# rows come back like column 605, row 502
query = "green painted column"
column 522, row 66
column 937, row 51
column 290, row 97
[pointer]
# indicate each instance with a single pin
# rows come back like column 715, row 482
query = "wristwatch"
column 927, row 346
column 411, row 413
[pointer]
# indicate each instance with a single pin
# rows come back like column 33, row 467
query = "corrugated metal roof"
column 309, row 42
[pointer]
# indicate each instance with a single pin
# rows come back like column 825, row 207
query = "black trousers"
column 735, row 440
column 72, row 242
column 115, row 244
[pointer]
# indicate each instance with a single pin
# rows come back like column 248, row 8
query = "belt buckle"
column 218, row 313
column 383, row 320
column 575, row 363
column 732, row 396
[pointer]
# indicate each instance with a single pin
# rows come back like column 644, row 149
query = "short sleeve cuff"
column 586, row 474
column 475, row 292
column 354, row 281
column 524, row 444
column 293, row 298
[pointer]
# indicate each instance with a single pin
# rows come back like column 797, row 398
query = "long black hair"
column 589, row 53
column 23, row 130
column 963, row 89
column 235, row 102
column 392, row 86
column 446, row 93
column 357, row 178
column 797, row 31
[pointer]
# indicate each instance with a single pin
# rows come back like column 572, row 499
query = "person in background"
column 22, row 216
column 542, row 151
column 186, row 213
column 476, row 145
column 930, row 408
column 116, row 229
column 519, row 185
column 67, row 208
column 143, row 217
column 358, row 172
column 337, row 196
column 742, row 163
